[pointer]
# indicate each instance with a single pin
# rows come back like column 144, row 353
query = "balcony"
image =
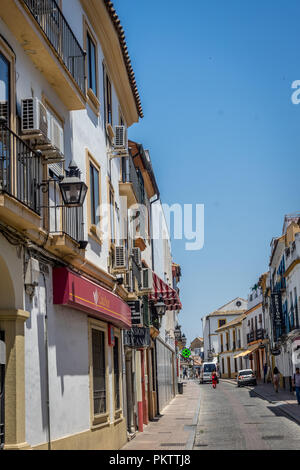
column 20, row 178
column 292, row 254
column 131, row 184
column 64, row 224
column 255, row 335
column 48, row 40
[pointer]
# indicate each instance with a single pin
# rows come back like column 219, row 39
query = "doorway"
column 228, row 367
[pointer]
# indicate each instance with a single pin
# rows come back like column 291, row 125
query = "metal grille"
column 99, row 383
column 2, row 374
column 131, row 175
column 117, row 374
column 20, row 169
column 60, row 219
column 57, row 30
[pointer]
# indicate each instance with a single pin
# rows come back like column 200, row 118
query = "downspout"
column 151, row 218
column 155, row 344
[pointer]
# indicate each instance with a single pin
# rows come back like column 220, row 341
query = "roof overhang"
column 121, row 73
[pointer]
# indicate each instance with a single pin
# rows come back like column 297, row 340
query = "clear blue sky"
column 215, row 82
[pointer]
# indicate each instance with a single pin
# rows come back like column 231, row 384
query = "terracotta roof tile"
column 120, row 31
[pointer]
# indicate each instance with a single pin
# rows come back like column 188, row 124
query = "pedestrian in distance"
column 265, row 372
column 276, row 379
column 296, row 384
column 214, row 379
column 184, row 373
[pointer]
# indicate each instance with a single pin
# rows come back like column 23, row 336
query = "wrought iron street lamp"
column 160, row 309
column 72, row 189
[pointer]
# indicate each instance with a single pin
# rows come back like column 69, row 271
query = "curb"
column 285, row 412
column 191, row 439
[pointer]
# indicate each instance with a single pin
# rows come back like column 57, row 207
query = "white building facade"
column 62, row 308
column 215, row 320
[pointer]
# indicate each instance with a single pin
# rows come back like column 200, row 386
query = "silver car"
column 246, row 377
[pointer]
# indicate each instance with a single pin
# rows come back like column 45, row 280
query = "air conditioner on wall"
column 35, row 118
column 57, row 135
column 4, row 111
column 120, row 139
column 120, row 257
column 147, row 279
column 136, row 254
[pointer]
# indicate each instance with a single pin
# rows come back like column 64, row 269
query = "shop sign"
column 80, row 293
column 137, row 337
column 276, row 309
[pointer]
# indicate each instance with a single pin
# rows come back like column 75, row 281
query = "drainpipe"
column 47, row 364
column 151, row 228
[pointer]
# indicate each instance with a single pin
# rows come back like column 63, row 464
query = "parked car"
column 206, row 372
column 246, row 377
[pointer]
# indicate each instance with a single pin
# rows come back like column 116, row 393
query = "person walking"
column 214, row 379
column 276, row 379
column 296, row 384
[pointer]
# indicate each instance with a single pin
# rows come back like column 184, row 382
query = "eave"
column 105, row 30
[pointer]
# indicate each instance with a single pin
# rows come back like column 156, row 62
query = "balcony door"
column 4, row 88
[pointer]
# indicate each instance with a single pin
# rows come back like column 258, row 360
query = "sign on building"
column 137, row 337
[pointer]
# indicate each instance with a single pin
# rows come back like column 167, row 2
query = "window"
column 221, row 323
column 91, row 64
column 94, row 194
column 117, row 374
column 4, row 88
column 99, row 373
column 112, row 214
column 93, row 180
column 107, row 98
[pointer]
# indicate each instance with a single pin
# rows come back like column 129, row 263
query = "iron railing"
column 57, row 30
column 130, row 175
column 59, row 219
column 20, row 169
column 255, row 335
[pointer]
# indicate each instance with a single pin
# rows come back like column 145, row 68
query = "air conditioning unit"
column 136, row 254
column 120, row 257
column 35, row 118
column 120, row 139
column 128, row 281
column 4, row 111
column 57, row 135
column 147, row 279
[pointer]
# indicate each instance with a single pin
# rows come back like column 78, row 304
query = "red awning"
column 76, row 291
column 169, row 295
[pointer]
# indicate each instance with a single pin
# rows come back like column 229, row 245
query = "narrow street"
column 234, row 418
column 228, row 418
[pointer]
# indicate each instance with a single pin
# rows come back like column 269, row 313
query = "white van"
column 207, row 369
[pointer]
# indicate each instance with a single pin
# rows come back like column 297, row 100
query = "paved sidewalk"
column 176, row 429
column 285, row 400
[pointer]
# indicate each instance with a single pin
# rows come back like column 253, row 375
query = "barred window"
column 99, row 383
column 117, row 373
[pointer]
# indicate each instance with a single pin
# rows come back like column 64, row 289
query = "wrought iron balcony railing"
column 130, row 175
column 59, row 219
column 20, row 169
column 58, row 32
